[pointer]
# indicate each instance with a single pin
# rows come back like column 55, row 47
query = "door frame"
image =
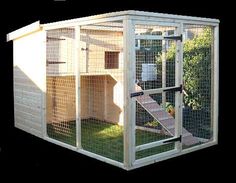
column 178, row 95
column 77, row 86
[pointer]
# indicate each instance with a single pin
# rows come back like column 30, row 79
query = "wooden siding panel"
column 28, row 82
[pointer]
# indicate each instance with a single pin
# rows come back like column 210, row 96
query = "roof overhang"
column 24, row 31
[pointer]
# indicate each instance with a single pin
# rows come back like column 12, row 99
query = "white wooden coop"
column 128, row 88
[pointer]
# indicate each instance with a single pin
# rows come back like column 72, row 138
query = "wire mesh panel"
column 155, row 69
column 197, row 76
column 102, row 88
column 154, row 122
column 60, row 85
column 101, row 69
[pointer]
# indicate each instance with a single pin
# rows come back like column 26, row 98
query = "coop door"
column 158, row 89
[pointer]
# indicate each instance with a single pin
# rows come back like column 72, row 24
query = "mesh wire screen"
column 150, row 55
column 101, row 67
column 155, row 68
column 154, row 122
column 61, row 85
column 154, row 150
column 101, row 91
column 197, row 66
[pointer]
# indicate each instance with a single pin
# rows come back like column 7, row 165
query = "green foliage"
column 197, row 70
column 151, row 124
column 196, row 67
column 170, row 108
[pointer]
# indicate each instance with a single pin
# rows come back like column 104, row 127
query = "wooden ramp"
column 164, row 118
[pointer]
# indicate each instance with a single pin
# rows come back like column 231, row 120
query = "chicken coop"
column 128, row 88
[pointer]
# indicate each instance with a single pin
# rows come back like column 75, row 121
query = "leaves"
column 196, row 68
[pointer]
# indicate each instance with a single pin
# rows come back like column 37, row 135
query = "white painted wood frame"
column 81, row 23
column 163, row 59
column 129, row 87
column 178, row 82
column 216, row 84
column 178, row 73
column 44, row 89
column 174, row 20
column 77, row 86
column 24, row 31
column 129, row 19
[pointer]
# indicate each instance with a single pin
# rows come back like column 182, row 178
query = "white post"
column 86, row 53
column 77, row 87
column 129, row 87
column 105, row 96
column 178, row 82
column 216, row 84
column 163, row 60
column 44, row 89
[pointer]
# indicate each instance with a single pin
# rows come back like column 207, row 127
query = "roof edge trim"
column 23, row 31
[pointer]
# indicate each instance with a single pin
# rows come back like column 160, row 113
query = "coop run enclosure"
column 128, row 88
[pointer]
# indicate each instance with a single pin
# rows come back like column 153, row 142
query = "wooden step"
column 156, row 109
column 171, row 127
column 148, row 102
column 164, row 118
column 163, row 115
column 151, row 106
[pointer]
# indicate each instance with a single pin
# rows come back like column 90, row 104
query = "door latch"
column 175, row 89
column 180, row 37
column 174, row 139
column 136, row 94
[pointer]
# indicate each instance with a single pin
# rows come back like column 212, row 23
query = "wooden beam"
column 149, row 37
column 167, row 155
column 129, row 87
column 77, row 86
column 179, row 82
column 75, row 22
column 216, row 84
column 137, row 15
column 152, row 144
column 23, row 31
column 44, row 89
column 163, row 58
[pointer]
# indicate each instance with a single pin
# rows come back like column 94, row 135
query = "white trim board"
column 23, row 31
column 112, row 16
column 134, row 13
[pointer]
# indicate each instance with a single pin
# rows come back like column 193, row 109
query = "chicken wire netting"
column 154, row 122
column 155, row 68
column 197, row 82
column 101, row 88
column 102, row 85
column 60, row 84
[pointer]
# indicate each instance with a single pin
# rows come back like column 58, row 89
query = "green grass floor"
column 103, row 138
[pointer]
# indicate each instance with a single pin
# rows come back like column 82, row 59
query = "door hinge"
column 180, row 37
column 174, row 139
column 136, row 94
column 175, row 89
